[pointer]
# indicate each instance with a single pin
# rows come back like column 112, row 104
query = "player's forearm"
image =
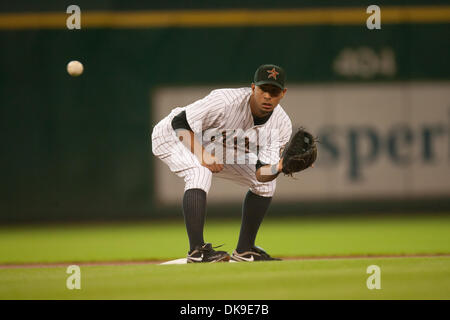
column 187, row 137
column 268, row 172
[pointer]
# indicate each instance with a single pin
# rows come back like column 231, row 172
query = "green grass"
column 287, row 237
column 401, row 278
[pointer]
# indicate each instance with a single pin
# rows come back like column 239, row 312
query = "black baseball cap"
column 270, row 74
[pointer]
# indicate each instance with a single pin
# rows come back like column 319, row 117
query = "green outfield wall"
column 79, row 148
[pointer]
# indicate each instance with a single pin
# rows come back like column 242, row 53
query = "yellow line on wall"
column 226, row 18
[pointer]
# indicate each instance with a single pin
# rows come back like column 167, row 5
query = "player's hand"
column 280, row 165
column 211, row 162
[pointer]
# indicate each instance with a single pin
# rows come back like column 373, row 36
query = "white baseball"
column 75, row 68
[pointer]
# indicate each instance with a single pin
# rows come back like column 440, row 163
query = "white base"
column 176, row 261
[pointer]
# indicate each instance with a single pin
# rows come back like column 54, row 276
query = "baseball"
column 75, row 68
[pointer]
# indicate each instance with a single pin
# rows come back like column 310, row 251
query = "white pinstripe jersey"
column 228, row 110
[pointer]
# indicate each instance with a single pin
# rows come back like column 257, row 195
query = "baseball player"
column 235, row 134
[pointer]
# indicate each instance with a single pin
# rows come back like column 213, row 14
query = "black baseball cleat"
column 206, row 253
column 254, row 254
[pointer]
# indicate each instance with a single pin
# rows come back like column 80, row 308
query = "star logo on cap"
column 273, row 74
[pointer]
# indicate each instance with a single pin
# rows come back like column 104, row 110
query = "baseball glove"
column 300, row 153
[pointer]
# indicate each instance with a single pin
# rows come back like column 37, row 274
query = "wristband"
column 274, row 169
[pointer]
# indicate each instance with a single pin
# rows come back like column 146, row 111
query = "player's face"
column 266, row 98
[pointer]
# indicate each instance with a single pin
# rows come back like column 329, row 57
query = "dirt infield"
column 138, row 262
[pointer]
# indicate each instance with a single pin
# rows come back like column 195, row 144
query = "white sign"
column 377, row 141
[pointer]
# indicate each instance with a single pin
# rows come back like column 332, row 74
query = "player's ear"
column 284, row 92
column 253, row 87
